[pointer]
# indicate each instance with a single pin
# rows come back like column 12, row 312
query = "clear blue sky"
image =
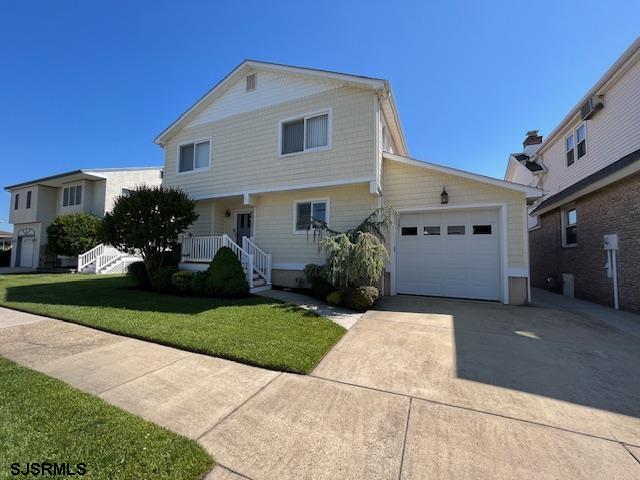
column 90, row 84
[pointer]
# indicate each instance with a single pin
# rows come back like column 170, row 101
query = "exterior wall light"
column 227, row 213
column 444, row 197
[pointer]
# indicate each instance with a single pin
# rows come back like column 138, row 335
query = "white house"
column 589, row 170
column 271, row 146
column 36, row 203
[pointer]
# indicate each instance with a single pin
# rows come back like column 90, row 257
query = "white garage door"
column 449, row 254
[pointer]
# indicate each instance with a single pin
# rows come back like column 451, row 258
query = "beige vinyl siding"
column 117, row 180
column 408, row 186
column 611, row 134
column 348, row 206
column 23, row 214
column 245, row 153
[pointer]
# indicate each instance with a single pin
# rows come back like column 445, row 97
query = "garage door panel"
column 465, row 265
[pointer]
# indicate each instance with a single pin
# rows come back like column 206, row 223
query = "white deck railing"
column 89, row 256
column 261, row 260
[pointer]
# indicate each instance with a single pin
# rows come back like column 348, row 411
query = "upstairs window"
column 570, row 150
column 308, row 212
column 312, row 132
column 581, row 136
column 72, row 196
column 251, row 82
column 16, row 201
column 125, row 192
column 194, row 156
column 29, row 199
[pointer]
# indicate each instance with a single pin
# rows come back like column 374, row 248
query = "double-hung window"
column 307, row 133
column 29, row 199
column 570, row 222
column 72, row 196
column 571, row 150
column 576, row 144
column 581, row 137
column 309, row 213
column 194, row 156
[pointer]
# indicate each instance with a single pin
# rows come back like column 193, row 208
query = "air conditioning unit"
column 591, row 106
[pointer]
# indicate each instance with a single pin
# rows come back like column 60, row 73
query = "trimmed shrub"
column 361, row 298
column 335, row 298
column 138, row 272
column 198, row 284
column 225, row 276
column 181, row 281
column 316, row 276
column 161, row 279
column 73, row 234
column 313, row 272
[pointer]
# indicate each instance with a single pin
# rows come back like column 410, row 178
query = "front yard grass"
column 257, row 331
column 42, row 420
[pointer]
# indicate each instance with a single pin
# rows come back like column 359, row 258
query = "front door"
column 26, row 252
column 243, row 226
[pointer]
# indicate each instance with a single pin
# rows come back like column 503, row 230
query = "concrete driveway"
column 421, row 388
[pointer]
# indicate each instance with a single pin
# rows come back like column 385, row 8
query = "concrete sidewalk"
column 260, row 424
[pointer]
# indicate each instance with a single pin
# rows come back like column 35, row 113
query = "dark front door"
column 243, row 226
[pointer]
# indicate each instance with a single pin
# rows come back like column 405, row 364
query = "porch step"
column 261, row 289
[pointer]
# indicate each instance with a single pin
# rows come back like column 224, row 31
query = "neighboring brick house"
column 589, row 170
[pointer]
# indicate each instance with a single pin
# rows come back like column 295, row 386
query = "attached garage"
column 449, row 254
column 474, row 245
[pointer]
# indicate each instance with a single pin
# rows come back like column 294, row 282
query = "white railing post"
column 268, row 279
column 225, row 240
column 250, row 270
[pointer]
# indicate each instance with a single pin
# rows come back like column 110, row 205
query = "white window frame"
column 574, row 132
column 311, row 201
column 194, row 143
column 74, row 186
column 305, row 117
column 564, row 223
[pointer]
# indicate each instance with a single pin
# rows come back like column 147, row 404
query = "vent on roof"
column 591, row 106
column 251, row 82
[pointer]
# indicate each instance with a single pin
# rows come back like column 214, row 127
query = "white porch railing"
column 203, row 249
column 89, row 256
column 261, row 260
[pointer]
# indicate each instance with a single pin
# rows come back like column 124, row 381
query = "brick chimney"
column 532, row 142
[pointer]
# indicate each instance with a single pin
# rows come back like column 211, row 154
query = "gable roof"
column 531, row 192
column 81, row 174
column 249, row 65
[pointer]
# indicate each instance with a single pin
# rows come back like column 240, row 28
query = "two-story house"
column 273, row 146
column 36, row 203
column 584, row 233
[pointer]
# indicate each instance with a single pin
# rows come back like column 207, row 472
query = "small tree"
column 149, row 220
column 73, row 234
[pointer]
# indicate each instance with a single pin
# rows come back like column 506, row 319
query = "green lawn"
column 44, row 420
column 257, row 330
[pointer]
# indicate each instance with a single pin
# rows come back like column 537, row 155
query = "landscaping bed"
column 257, row 331
column 44, row 421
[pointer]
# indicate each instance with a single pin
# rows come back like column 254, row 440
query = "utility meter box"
column 610, row 241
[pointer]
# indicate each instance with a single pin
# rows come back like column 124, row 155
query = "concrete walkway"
column 418, row 389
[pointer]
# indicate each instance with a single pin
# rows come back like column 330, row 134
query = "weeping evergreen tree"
column 357, row 256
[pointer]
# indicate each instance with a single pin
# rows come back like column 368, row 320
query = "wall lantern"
column 227, row 213
column 444, row 197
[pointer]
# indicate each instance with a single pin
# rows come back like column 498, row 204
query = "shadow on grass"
column 120, row 293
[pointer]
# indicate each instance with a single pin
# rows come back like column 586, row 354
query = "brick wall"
column 613, row 209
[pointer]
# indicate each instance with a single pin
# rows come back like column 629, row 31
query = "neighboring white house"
column 589, row 170
column 36, row 203
column 271, row 146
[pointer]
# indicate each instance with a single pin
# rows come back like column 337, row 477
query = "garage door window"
column 409, row 231
column 482, row 229
column 432, row 230
column 455, row 230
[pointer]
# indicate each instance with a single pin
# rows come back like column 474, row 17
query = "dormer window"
column 251, row 82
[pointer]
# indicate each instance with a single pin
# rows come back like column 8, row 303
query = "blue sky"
column 90, row 84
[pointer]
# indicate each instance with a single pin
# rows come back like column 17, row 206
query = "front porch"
column 198, row 251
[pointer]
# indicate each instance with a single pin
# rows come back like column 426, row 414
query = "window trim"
column 574, row 132
column 69, row 186
column 305, row 117
column 194, row 143
column 564, row 222
column 312, row 201
column 246, row 82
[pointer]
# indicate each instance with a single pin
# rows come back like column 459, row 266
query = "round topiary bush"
column 161, row 279
column 73, row 234
column 198, row 284
column 360, row 298
column 225, row 276
column 181, row 281
column 335, row 298
column 138, row 272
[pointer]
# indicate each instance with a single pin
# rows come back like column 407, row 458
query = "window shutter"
column 317, row 131
column 293, row 137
